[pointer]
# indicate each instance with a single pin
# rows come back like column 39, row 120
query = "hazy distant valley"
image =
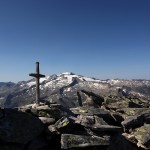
column 65, row 89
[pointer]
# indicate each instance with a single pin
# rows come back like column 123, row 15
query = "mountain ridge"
column 63, row 88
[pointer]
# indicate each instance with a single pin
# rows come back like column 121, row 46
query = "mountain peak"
column 67, row 73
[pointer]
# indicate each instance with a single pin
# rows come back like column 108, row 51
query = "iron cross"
column 37, row 75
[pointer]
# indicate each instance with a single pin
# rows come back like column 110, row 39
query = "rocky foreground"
column 106, row 123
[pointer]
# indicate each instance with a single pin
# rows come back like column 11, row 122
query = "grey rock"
column 53, row 129
column 140, row 136
column 133, row 122
column 96, row 124
column 80, row 141
column 19, row 127
column 89, row 111
column 93, row 99
column 62, row 125
column 79, row 99
column 63, row 122
column 86, row 121
column 99, row 121
column 136, row 121
column 132, row 111
column 47, row 121
column 107, row 128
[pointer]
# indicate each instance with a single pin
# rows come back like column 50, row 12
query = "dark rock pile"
column 106, row 123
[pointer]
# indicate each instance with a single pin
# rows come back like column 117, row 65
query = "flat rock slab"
column 132, row 111
column 122, row 103
column 136, row 121
column 63, row 125
column 86, row 121
column 79, row 141
column 63, row 122
column 19, row 127
column 89, row 111
column 96, row 123
column 140, row 136
column 105, row 128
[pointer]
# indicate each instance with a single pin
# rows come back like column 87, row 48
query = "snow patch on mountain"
column 31, row 83
column 90, row 79
column 44, row 79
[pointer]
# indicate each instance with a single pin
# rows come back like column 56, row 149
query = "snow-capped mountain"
column 63, row 89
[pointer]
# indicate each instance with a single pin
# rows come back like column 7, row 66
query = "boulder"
column 133, row 122
column 140, row 136
column 90, row 127
column 18, row 127
column 65, row 125
column 124, row 103
column 86, row 121
column 80, row 141
column 97, row 124
column 42, row 110
column 47, row 121
column 90, row 111
column 93, row 99
column 132, row 111
column 99, row 121
column 136, row 121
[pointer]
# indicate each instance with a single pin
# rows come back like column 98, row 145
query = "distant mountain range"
column 66, row 87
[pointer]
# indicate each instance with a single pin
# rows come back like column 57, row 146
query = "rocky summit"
column 75, row 113
column 100, row 122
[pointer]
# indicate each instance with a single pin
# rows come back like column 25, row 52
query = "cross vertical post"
column 37, row 83
column 37, row 75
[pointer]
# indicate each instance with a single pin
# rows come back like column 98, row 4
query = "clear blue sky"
column 99, row 38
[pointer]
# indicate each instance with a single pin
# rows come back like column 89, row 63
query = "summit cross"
column 37, row 75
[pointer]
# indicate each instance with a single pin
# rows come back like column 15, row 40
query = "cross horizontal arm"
column 36, row 75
